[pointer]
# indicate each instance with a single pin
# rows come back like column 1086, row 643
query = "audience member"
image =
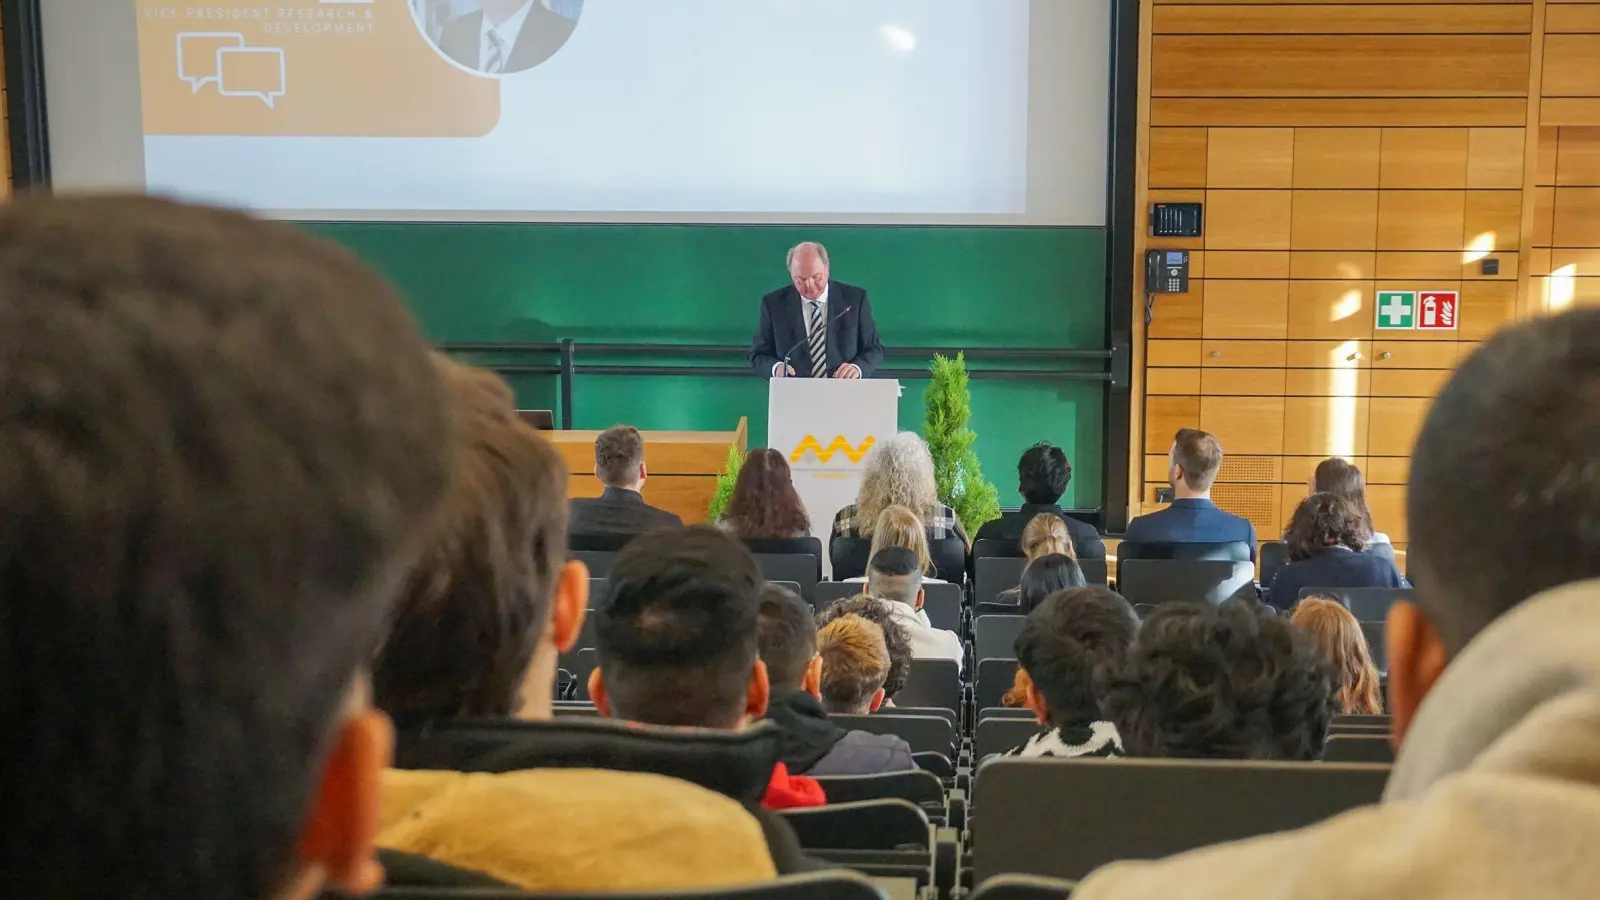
column 1046, row 573
column 881, row 613
column 764, row 505
column 1219, row 682
column 1064, row 642
column 855, row 662
column 811, row 743
column 480, row 623
column 620, row 509
column 677, row 636
column 895, row 575
column 1357, row 689
column 898, row 472
column 209, row 500
column 1493, row 669
column 1044, row 535
column 1341, row 477
column 1042, row 476
column 900, row 527
column 1327, row 536
column 1192, row 518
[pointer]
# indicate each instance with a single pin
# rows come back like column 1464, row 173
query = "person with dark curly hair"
column 1328, row 538
column 894, row 634
column 765, row 505
column 1219, row 682
column 1065, row 640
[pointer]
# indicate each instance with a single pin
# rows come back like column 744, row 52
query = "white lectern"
column 826, row 426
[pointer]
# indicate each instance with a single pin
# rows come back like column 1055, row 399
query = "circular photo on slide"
column 497, row 37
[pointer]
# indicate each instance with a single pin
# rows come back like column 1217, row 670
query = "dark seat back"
column 995, row 677
column 598, row 561
column 994, row 547
column 832, row 591
column 939, row 711
column 932, row 734
column 802, row 569
column 736, row 764
column 1358, row 748
column 995, row 637
column 863, row 825
column 605, row 543
column 994, row 574
column 949, row 557
column 586, row 633
column 1222, row 801
column 1377, row 635
column 942, row 603
column 1274, row 556
column 997, row 735
column 1367, row 604
column 1023, row 887
column 1004, row 712
column 915, row 786
column 932, row 682
column 806, row 546
column 1157, row 581
column 849, row 557
column 835, row 884
column 1094, row 570
column 1357, row 719
column 583, row 664
column 1225, row 551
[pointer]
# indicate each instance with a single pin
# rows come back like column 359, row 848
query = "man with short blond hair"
column 620, row 509
column 855, row 663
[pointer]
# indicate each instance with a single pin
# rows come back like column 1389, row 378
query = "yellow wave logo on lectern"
column 839, row 445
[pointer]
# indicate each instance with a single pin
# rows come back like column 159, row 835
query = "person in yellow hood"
column 477, row 634
column 1494, row 669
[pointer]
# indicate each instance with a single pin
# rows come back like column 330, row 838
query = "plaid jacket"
column 944, row 525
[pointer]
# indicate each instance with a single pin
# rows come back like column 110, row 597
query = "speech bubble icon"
column 252, row 72
column 197, row 55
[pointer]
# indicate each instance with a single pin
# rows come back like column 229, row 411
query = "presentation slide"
column 953, row 111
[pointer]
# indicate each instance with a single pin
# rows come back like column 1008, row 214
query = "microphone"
column 807, row 339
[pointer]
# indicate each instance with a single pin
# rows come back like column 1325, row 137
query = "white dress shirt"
column 927, row 642
column 806, row 306
column 506, row 33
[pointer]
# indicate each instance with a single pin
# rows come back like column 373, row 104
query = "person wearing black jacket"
column 1043, row 473
column 809, row 742
column 1328, row 538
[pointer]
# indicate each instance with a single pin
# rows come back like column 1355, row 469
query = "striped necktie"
column 819, row 342
column 497, row 57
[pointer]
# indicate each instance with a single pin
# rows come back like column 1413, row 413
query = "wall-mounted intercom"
column 1166, row 272
column 1176, row 220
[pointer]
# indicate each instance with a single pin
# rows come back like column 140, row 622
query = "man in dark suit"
column 619, row 464
column 505, row 36
column 1192, row 518
column 1042, row 476
column 816, row 328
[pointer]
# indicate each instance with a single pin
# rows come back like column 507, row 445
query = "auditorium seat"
column 948, row 715
column 803, row 570
column 995, row 637
column 584, row 662
column 1158, row 581
column 949, row 559
column 848, row 557
column 834, row 884
column 916, row 786
column 1344, row 747
column 832, row 591
column 994, row 574
column 993, row 547
column 1094, row 571
column 586, row 634
column 1023, row 887
column 924, row 733
column 932, row 682
column 1366, row 604
column 995, row 677
column 997, row 735
column 598, row 561
column 807, row 546
column 1358, row 719
column 1135, row 813
column 1225, row 551
column 1004, row 712
column 1377, row 635
column 1274, row 556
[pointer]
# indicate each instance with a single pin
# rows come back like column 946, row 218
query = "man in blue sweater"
column 1192, row 518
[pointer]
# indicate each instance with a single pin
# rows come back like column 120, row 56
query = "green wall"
column 929, row 287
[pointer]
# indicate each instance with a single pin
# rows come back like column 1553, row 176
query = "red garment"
column 787, row 791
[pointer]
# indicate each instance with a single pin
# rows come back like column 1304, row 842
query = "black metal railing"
column 508, row 356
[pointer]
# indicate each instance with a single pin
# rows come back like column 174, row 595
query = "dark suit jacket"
column 1191, row 522
column 1086, row 540
column 618, row 511
column 853, row 338
column 1333, row 567
column 543, row 33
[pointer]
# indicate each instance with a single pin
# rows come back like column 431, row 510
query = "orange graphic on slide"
column 825, row 454
column 303, row 68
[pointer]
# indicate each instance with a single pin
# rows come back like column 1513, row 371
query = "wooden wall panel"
column 1339, row 66
column 1342, row 148
column 1572, row 65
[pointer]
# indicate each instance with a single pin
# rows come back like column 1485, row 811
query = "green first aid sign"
column 1397, row 310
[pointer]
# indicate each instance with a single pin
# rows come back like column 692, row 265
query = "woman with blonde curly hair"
column 1340, row 641
column 898, row 472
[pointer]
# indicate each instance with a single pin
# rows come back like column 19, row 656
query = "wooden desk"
column 683, row 466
